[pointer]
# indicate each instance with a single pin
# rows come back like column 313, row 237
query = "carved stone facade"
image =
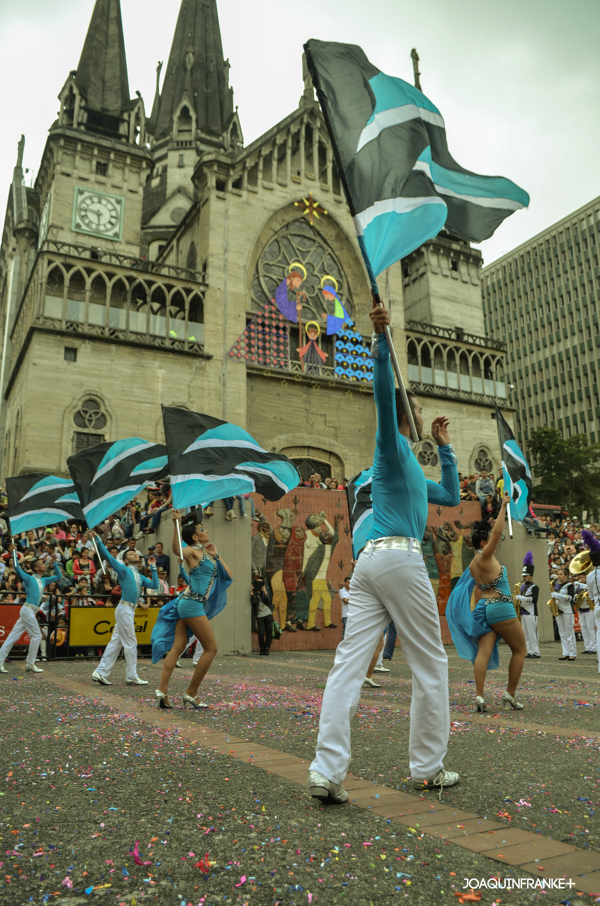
column 129, row 273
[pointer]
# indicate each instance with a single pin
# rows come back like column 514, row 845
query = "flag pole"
column 101, row 561
column 179, row 540
column 372, row 279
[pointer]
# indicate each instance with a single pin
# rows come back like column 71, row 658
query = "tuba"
column 517, row 591
column 581, row 564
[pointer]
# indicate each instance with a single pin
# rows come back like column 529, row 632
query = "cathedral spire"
column 196, row 73
column 102, row 72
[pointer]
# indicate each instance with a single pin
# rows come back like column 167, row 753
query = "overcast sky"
column 517, row 81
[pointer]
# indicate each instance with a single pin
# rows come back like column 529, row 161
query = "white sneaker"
column 322, row 788
column 3, row 669
column 179, row 664
column 372, row 683
column 136, row 682
column 31, row 668
column 98, row 678
column 381, row 670
column 440, row 780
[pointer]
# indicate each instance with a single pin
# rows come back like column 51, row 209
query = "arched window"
column 185, row 123
column 427, row 453
column 89, row 420
column 55, row 290
column 483, row 459
column 76, row 296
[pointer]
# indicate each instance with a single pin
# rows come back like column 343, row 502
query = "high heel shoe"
column 161, row 699
column 480, row 703
column 197, row 706
column 509, row 702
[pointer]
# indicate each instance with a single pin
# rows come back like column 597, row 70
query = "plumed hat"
column 593, row 545
column 528, row 564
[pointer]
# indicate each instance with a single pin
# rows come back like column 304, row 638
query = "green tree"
column 567, row 470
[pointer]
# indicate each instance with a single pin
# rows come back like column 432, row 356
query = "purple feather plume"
column 528, row 559
column 590, row 541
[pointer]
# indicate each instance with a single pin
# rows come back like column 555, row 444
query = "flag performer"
column 131, row 582
column 189, row 614
column 390, row 582
column 35, row 585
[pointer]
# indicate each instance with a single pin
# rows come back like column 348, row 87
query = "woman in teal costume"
column 190, row 612
column 475, row 634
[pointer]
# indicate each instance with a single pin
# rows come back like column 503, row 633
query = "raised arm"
column 153, row 582
column 387, row 440
column 118, row 567
column 496, row 534
column 57, row 577
column 448, row 492
column 20, row 573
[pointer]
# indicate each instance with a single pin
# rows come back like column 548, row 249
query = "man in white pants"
column 27, row 622
column 131, row 582
column 390, row 582
column 563, row 594
column 593, row 582
column 528, row 602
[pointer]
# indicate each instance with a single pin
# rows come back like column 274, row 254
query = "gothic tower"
column 192, row 114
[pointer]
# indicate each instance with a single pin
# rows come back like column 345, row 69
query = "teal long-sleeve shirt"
column 400, row 491
column 35, row 585
column 130, row 580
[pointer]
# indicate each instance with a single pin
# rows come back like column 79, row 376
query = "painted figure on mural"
column 290, row 308
column 259, row 550
column 311, row 355
column 292, row 571
column 276, row 550
column 463, row 550
column 317, row 528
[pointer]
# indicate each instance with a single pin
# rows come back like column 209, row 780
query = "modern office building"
column 542, row 299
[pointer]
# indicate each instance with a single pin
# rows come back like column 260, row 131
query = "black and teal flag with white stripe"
column 108, row 476
column 39, row 499
column 210, row 459
column 402, row 184
column 360, row 507
column 518, row 481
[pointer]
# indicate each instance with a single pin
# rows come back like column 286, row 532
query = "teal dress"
column 191, row 603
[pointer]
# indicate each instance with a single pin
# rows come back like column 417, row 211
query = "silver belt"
column 31, row 607
column 128, row 603
column 394, row 543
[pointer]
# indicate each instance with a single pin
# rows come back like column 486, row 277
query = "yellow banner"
column 94, row 625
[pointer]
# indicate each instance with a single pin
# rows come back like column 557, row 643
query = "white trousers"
column 564, row 621
column 588, row 629
column 529, row 624
column 26, row 623
column 123, row 637
column 597, row 622
column 388, row 585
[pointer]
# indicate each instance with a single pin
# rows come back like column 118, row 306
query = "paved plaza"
column 217, row 803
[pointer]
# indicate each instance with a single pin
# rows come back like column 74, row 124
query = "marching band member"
column 528, row 602
column 593, row 582
column 563, row 594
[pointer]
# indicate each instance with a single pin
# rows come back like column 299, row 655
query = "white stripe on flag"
column 36, row 489
column 93, row 504
column 179, row 479
column 262, row 470
column 393, row 117
column 391, row 206
column 218, row 442
column 508, row 204
column 361, row 519
column 145, row 445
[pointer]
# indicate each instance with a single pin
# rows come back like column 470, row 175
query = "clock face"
column 97, row 213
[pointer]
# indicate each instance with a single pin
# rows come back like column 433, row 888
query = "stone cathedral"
column 159, row 260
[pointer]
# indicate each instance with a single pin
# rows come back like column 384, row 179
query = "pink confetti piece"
column 136, row 855
column 242, row 880
column 67, row 882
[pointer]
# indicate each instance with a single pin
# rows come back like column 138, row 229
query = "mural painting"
column 301, row 548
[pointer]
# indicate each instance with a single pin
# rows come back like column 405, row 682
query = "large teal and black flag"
column 39, row 499
column 108, row 476
column 402, row 184
column 210, row 459
column 515, row 470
